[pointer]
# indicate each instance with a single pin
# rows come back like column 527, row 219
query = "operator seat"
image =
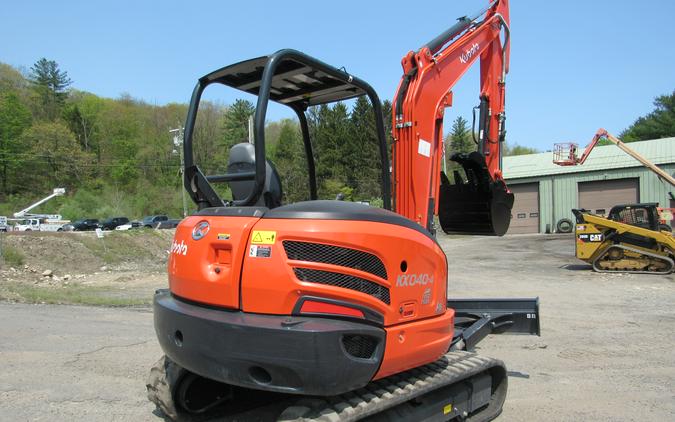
column 242, row 160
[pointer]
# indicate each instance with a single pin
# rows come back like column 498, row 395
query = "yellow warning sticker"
column 263, row 237
column 447, row 409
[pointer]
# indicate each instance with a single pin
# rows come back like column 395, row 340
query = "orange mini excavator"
column 333, row 310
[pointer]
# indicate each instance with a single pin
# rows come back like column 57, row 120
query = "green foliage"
column 289, row 158
column 15, row 118
column 11, row 255
column 235, row 124
column 49, row 83
column 519, row 150
column 77, row 294
column 55, row 155
column 658, row 124
column 460, row 137
column 115, row 157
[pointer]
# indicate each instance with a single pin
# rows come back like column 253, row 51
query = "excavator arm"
column 481, row 204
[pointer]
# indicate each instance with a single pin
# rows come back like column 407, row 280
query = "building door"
column 600, row 196
column 525, row 213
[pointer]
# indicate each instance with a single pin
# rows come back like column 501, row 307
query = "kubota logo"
column 200, row 230
column 409, row 280
column 465, row 56
column 179, row 248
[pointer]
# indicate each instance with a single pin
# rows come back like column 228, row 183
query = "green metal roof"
column 658, row 151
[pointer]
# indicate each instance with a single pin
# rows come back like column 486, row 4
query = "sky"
column 575, row 65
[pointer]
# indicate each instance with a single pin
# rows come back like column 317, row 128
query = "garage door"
column 600, row 196
column 525, row 213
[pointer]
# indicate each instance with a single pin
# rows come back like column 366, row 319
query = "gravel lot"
column 607, row 350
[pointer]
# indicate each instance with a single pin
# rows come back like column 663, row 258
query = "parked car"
column 168, row 224
column 85, row 224
column 112, row 223
column 130, row 225
column 151, row 221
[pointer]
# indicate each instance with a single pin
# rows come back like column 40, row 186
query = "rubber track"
column 644, row 253
column 378, row 396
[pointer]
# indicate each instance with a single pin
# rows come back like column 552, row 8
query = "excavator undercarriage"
column 458, row 386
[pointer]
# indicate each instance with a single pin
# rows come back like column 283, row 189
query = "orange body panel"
column 416, row 343
column 223, row 269
column 269, row 284
column 208, row 270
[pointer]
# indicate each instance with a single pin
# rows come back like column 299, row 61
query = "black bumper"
column 301, row 355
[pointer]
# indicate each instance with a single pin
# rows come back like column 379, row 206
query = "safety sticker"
column 447, row 409
column 256, row 251
column 263, row 237
column 424, row 148
column 223, row 236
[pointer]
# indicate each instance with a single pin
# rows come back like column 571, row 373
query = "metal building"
column 545, row 193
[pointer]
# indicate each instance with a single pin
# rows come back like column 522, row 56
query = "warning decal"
column 256, row 251
column 263, row 237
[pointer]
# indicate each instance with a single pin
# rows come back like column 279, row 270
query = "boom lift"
column 565, row 154
column 24, row 213
column 42, row 222
column 327, row 310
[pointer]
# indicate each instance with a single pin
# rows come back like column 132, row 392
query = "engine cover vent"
column 335, row 255
column 345, row 281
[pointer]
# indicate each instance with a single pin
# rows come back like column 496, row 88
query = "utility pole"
column 178, row 145
column 250, row 129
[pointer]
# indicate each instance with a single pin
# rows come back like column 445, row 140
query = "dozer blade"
column 478, row 205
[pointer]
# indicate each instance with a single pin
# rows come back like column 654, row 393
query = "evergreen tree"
column 50, row 84
column 460, row 137
column 361, row 152
column 660, row 123
column 235, row 123
column 290, row 162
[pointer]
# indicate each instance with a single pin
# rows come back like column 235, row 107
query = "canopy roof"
column 299, row 80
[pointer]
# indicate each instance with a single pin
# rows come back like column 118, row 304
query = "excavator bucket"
column 477, row 205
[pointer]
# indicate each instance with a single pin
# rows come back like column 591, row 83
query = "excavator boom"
column 481, row 204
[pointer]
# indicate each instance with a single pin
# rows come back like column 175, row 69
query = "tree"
column 290, row 162
column 81, row 114
column 658, row 124
column 329, row 128
column 361, row 151
column 460, row 137
column 518, row 150
column 235, row 123
column 15, row 117
column 50, row 83
column 56, row 155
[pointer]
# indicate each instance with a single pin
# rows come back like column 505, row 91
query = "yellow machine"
column 630, row 239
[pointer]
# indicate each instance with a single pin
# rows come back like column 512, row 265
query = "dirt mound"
column 84, row 253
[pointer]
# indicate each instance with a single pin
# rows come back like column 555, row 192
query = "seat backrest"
column 242, row 160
